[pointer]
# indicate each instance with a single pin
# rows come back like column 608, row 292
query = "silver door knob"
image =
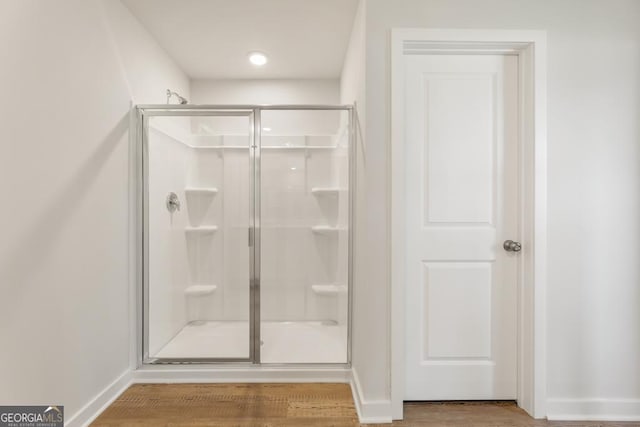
column 511, row 246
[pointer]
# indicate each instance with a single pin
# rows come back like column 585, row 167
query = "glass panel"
column 304, row 236
column 198, row 256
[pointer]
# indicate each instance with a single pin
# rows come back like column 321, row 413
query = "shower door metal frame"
column 143, row 113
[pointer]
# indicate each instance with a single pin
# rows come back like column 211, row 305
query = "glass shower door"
column 199, row 216
column 304, row 235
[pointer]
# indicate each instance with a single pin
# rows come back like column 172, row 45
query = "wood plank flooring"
column 299, row 405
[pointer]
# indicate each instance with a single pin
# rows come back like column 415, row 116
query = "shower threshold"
column 282, row 342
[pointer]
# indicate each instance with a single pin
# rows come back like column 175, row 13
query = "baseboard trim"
column 593, row 409
column 369, row 411
column 99, row 403
column 168, row 374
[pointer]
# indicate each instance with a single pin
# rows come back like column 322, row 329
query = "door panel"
column 304, row 242
column 458, row 149
column 457, row 294
column 197, row 259
column 461, row 203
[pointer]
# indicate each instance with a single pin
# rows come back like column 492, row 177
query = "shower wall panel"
column 168, row 261
column 221, row 259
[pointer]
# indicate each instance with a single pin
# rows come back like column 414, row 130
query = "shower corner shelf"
column 328, row 289
column 200, row 231
column 199, row 290
column 326, row 191
column 201, row 191
column 325, row 229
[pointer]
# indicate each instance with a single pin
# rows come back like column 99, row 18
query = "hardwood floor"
column 226, row 405
column 299, row 405
column 482, row 414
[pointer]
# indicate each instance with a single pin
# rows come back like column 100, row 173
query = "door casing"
column 530, row 46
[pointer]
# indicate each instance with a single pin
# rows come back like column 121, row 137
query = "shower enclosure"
column 246, row 229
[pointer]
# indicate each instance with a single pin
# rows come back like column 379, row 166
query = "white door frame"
column 530, row 46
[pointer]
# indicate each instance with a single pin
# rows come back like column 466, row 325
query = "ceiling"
column 210, row 39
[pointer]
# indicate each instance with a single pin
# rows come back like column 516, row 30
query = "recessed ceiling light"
column 257, row 58
column 266, row 129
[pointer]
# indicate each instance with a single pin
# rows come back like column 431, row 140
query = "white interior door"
column 461, row 130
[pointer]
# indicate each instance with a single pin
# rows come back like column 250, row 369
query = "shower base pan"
column 282, row 342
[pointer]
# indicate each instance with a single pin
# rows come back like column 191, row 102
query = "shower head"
column 181, row 99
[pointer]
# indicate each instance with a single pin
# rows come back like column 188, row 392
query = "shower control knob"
column 511, row 246
column 173, row 203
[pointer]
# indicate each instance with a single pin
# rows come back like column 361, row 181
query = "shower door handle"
column 251, row 237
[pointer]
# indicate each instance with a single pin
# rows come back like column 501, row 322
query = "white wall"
column 369, row 334
column 149, row 70
column 352, row 78
column 593, row 305
column 285, row 91
column 64, row 160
